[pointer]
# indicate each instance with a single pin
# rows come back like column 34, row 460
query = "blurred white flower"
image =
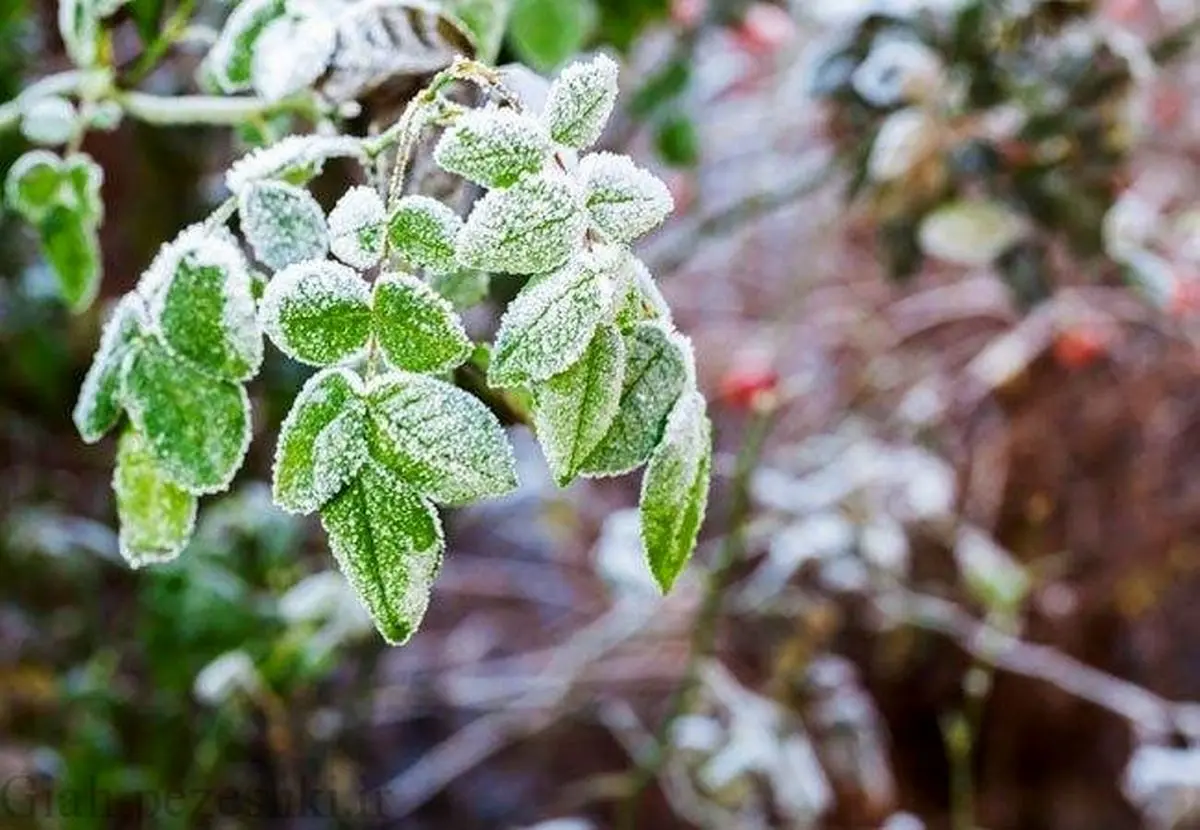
column 904, row 139
column 971, row 232
column 227, row 675
column 898, row 70
column 1164, row 783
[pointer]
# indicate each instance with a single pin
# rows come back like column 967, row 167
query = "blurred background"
column 941, row 263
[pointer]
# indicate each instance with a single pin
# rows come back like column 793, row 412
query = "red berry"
column 1078, row 347
column 745, row 387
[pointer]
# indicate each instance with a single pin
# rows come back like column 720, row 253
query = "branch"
column 205, row 109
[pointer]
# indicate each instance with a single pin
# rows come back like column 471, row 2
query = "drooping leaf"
column 388, row 542
column 533, row 227
column 675, row 490
column 493, row 147
column 322, row 443
column 417, row 330
column 232, row 56
column 550, row 323
column 545, row 33
column 657, row 371
column 440, row 440
column 580, row 102
column 197, row 426
column 625, row 201
column 356, row 228
column 156, row 515
column 283, row 223
column 424, row 231
column 99, row 404
column 317, row 312
column 73, row 251
column 575, row 408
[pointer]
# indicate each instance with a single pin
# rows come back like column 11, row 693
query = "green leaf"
column 483, row 22
column 388, row 542
column 643, row 300
column 580, row 102
column 575, row 409
column 73, row 251
column 205, row 308
column 147, row 15
column 356, row 228
column 197, row 426
column 283, row 223
column 82, row 180
column 424, row 231
column 675, row 490
column 550, row 323
column 231, row 57
column 295, row 159
column 417, row 330
column 462, row 287
column 156, row 515
column 439, row 439
column 317, row 312
column 624, row 200
column 79, row 29
column 33, row 184
column 493, row 147
column 99, row 404
column 657, row 371
column 533, row 227
column 677, row 141
column 322, row 443
column 545, row 33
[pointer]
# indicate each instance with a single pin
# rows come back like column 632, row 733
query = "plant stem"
column 705, row 628
column 205, row 109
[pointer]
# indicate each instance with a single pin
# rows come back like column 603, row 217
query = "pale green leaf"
column 625, row 201
column 546, row 33
column 580, row 102
column 462, row 287
column 99, row 404
column 423, row 231
column 49, row 121
column 232, row 56
column 283, row 223
column 356, row 228
column 72, row 248
column 79, row 29
column 493, row 147
column 317, row 312
column 417, row 330
column 643, row 299
column 156, row 515
column 82, row 180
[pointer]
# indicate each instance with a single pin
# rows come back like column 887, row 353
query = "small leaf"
column 322, row 443
column 643, row 300
column 356, row 228
column 99, row 404
column 198, row 427
column 317, row 312
column 79, row 28
column 575, row 409
column 156, row 515
column 580, row 102
column 73, row 251
column 388, row 542
column 658, row 369
column 290, row 54
column 232, row 56
column 545, row 33
column 439, row 439
column 531, row 228
column 295, row 159
column 417, row 330
column 675, row 490
column 283, row 223
column 49, row 121
column 424, row 232
column 625, row 201
column 81, row 193
column 33, row 184
column 493, row 147
column 550, row 323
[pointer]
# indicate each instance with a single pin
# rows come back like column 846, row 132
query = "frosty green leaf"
column 624, row 200
column 33, row 184
column 232, row 56
column 356, row 228
column 197, row 426
column 295, row 159
column 49, row 120
column 156, row 515
column 439, row 439
column 533, row 227
column 462, row 287
column 657, row 371
column 322, row 443
column 580, row 102
column 493, row 147
column 575, row 408
column 675, row 490
column 643, row 300
column 82, row 181
column 417, row 330
column 79, row 28
column 423, row 231
column 72, row 248
column 317, row 312
column 99, row 404
column 550, row 323
column 283, row 223
column 290, row 54
column 388, row 542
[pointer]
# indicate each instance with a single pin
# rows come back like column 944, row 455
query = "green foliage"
column 493, row 147
column 545, row 33
column 424, row 232
column 317, row 312
column 580, row 102
column 156, row 514
column 99, row 404
column 283, row 223
column 530, row 228
column 416, row 329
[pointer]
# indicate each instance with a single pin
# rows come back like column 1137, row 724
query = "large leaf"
column 580, row 102
column 99, row 404
column 156, row 515
column 317, row 312
column 283, row 223
column 417, row 330
column 493, row 147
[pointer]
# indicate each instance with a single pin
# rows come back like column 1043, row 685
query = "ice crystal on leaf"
column 424, row 231
column 231, row 58
column 356, row 228
column 99, row 406
column 283, row 223
column 49, row 121
column 417, row 330
column 156, row 515
column 580, row 101
column 295, row 159
column 625, row 201
column 291, row 53
column 643, row 299
column 317, row 312
column 494, row 147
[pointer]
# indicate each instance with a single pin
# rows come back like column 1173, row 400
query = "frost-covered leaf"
column 73, row 250
column 533, row 227
column 295, row 159
column 283, row 223
column 79, row 29
column 643, row 299
column 417, row 330
column 462, row 287
column 624, row 200
column 156, row 515
column 550, row 323
column 580, row 102
column 49, row 120
column 290, row 54
column 424, row 231
column 34, row 183
column 388, row 542
column 99, row 404
column 675, row 489
column 493, row 147
column 205, row 309
column 575, row 408
column 439, row 439
column 657, row 371
column 317, row 312
column 971, row 232
column 197, row 426
column 232, row 56
column 322, row 443
column 356, row 227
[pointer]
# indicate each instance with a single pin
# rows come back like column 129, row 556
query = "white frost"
column 625, row 201
column 356, row 227
column 295, row 152
column 580, row 101
column 290, row 55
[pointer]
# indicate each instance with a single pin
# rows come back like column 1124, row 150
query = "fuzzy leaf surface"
column 417, row 330
column 424, row 232
column 317, row 312
column 580, row 102
column 99, row 406
column 493, row 147
column 356, row 228
column 283, row 223
column 156, row 515
column 625, row 201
